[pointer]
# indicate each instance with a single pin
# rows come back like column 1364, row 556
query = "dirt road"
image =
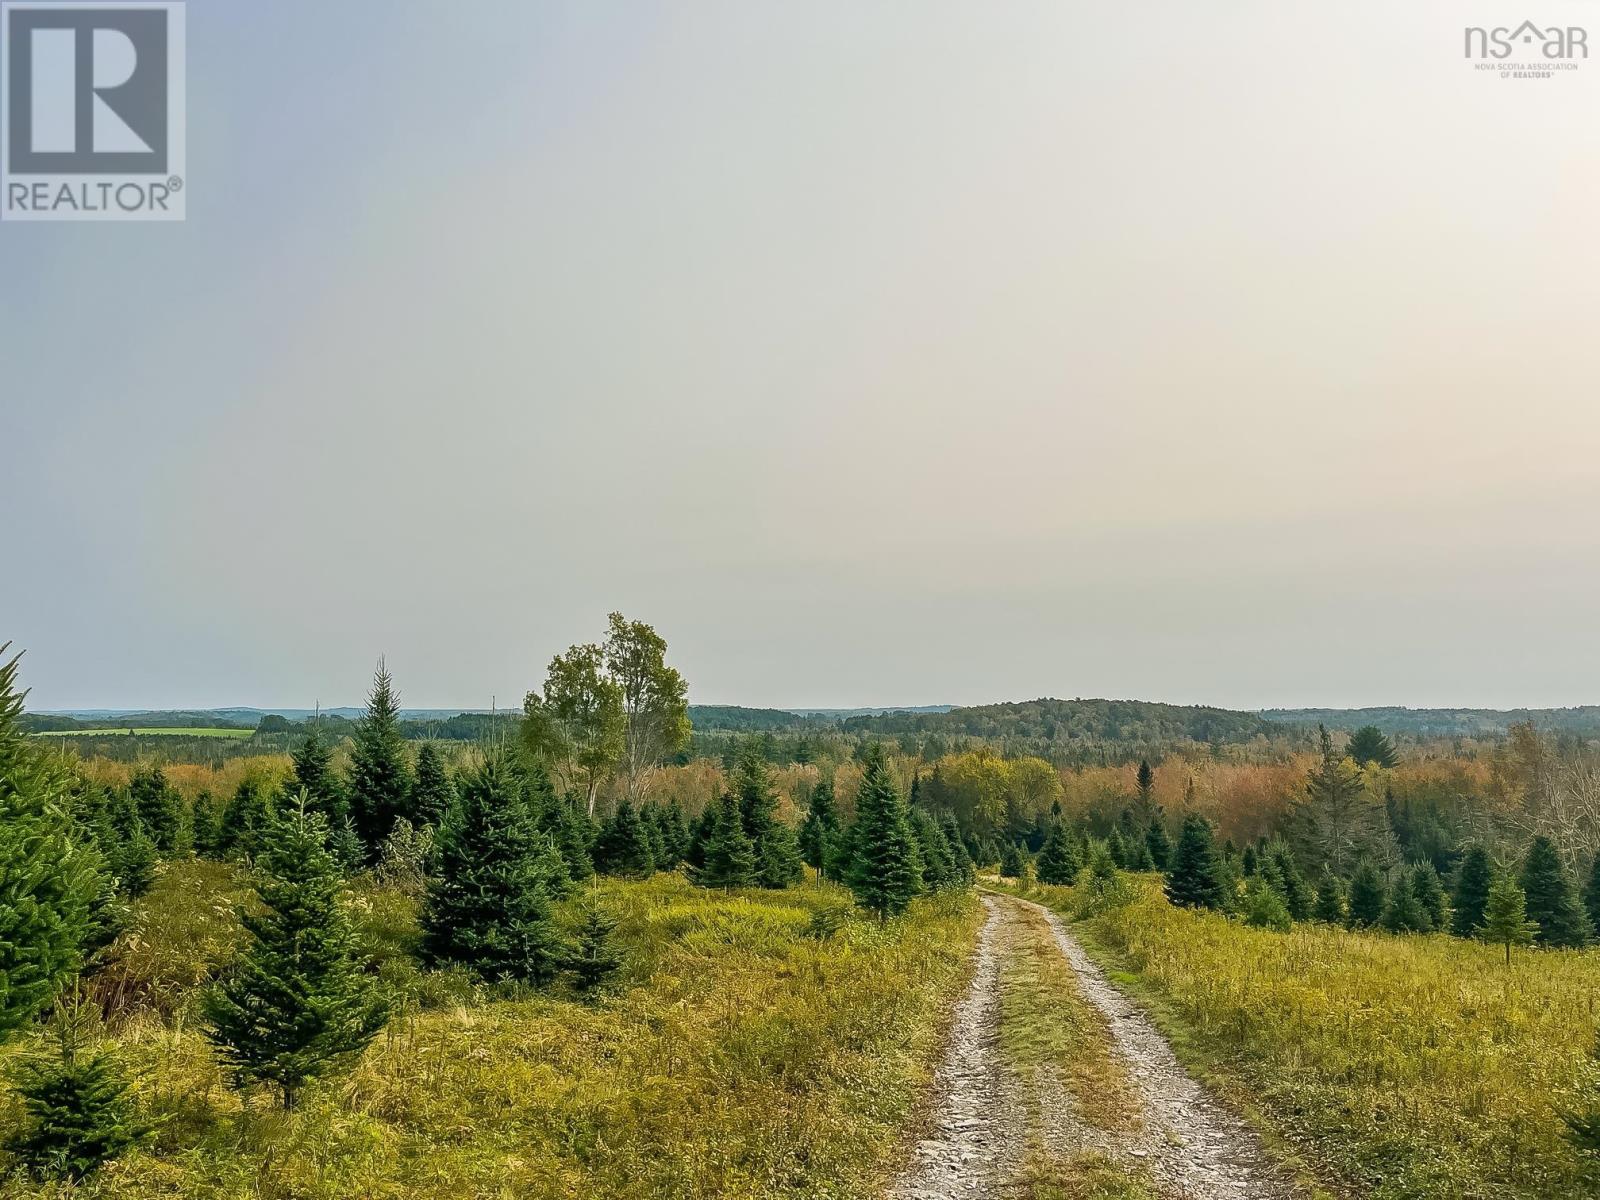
column 1029, row 1086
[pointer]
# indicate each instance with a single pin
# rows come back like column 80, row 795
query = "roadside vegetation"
column 738, row 1053
column 1403, row 1065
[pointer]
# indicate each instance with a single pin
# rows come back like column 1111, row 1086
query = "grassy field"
column 745, row 1058
column 1412, row 1067
column 163, row 732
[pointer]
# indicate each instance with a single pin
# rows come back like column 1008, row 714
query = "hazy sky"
column 875, row 352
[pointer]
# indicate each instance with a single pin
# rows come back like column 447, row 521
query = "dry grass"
column 748, row 1060
column 1409, row 1066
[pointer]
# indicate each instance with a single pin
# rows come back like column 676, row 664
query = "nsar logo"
column 1554, row 42
column 91, row 111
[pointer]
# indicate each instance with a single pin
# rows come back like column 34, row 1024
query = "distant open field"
column 169, row 732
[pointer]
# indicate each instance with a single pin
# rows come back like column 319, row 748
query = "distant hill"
column 841, row 713
column 1065, row 721
column 1583, row 720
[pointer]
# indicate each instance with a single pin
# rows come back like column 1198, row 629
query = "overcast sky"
column 915, row 352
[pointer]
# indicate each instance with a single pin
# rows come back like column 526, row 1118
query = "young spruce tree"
column 1404, row 912
column 77, row 1099
column 1429, row 891
column 158, row 807
column 1368, row 896
column 48, row 877
column 432, row 793
column 1473, row 879
column 1013, row 862
column 1551, row 902
column 314, row 775
column 1298, row 897
column 885, row 873
column 380, row 775
column 297, row 1004
column 821, row 825
column 596, row 957
column 727, row 859
column 1159, row 844
column 624, row 845
column 487, row 908
column 1329, row 907
column 939, row 872
column 1058, row 858
column 1195, row 878
column 205, row 823
column 778, row 863
column 1505, row 915
column 247, row 821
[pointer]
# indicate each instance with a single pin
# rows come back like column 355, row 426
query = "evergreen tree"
column 1583, row 1124
column 77, row 1099
column 488, row 904
column 48, row 877
column 675, row 832
column 1505, row 915
column 1330, row 899
column 93, row 829
column 1473, row 879
column 1550, row 900
column 1404, row 912
column 1145, row 793
column 1013, row 863
column 1334, row 821
column 133, row 860
column 728, row 860
column 1368, row 897
column 885, row 873
column 624, row 847
column 778, row 863
column 1297, row 895
column 314, row 775
column 596, row 957
column 550, row 872
column 966, row 871
column 297, row 1004
column 1058, row 860
column 575, row 836
column 1591, row 894
column 1195, row 877
column 205, row 824
column 159, row 808
column 432, row 793
column 1117, row 849
column 1138, row 855
column 1159, row 844
column 1228, row 883
column 820, row 826
column 1368, row 745
column 380, row 776
column 650, row 818
column 1264, row 907
column 700, row 830
column 344, row 844
column 1429, row 891
column 1249, row 861
column 938, row 860
column 247, row 821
